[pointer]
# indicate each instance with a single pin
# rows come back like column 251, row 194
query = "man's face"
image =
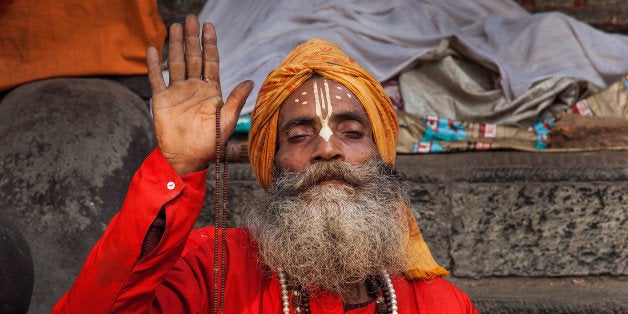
column 332, row 217
column 321, row 121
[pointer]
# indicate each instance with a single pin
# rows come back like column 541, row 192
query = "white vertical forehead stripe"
column 317, row 101
column 323, row 101
column 328, row 98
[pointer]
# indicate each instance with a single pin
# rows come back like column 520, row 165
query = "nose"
column 327, row 150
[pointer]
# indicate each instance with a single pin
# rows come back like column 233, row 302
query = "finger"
column 176, row 63
column 210, row 54
column 233, row 106
column 192, row 47
column 155, row 78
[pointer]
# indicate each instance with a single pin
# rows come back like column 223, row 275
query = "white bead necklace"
column 391, row 290
column 286, row 299
column 284, row 292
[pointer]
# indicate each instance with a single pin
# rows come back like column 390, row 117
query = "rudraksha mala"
column 220, row 221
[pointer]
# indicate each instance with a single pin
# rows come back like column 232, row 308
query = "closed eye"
column 352, row 129
column 297, row 138
column 298, row 130
column 353, row 134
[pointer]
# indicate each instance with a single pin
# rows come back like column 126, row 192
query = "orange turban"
column 325, row 58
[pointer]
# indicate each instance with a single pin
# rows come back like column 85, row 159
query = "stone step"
column 589, row 294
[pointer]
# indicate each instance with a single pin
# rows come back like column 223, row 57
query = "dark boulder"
column 68, row 150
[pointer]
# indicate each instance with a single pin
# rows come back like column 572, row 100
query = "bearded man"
column 330, row 233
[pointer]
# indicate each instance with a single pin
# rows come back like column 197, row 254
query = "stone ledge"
column 547, row 294
column 513, row 166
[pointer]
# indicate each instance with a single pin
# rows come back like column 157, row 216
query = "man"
column 331, row 235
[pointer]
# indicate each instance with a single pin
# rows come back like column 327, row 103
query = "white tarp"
column 387, row 37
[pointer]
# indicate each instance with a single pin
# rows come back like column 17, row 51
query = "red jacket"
column 177, row 275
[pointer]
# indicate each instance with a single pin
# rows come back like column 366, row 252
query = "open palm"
column 184, row 113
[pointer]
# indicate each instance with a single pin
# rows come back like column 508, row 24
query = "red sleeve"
column 113, row 278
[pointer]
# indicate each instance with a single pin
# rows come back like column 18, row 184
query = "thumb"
column 233, row 106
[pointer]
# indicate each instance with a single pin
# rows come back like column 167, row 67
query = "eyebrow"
column 359, row 116
column 296, row 122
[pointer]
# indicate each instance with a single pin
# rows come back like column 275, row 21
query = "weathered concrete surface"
column 16, row 269
column 68, row 149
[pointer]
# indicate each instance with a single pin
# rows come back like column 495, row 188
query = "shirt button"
column 170, row 185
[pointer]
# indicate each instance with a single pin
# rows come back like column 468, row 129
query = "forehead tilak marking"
column 323, row 102
column 342, row 88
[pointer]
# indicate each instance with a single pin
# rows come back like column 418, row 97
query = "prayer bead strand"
column 220, row 222
column 216, row 215
column 223, row 228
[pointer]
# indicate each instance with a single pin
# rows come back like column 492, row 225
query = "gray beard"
column 336, row 235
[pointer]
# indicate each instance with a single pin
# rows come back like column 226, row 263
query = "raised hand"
column 184, row 113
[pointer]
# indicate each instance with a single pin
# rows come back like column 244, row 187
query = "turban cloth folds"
column 326, row 59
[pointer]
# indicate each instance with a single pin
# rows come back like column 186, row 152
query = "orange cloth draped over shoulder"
column 327, row 59
column 52, row 38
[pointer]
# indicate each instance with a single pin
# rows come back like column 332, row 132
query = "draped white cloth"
column 388, row 37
